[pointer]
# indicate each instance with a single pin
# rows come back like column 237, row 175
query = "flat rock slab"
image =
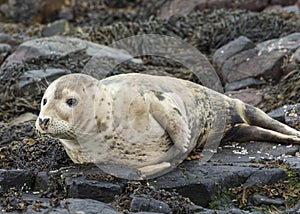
column 73, row 206
column 232, row 166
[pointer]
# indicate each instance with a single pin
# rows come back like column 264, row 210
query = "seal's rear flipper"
column 244, row 132
column 259, row 118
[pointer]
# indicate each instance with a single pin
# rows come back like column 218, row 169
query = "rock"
column 84, row 188
column 100, row 188
column 296, row 56
column 30, row 80
column 148, row 205
column 181, row 8
column 15, row 178
column 232, row 48
column 58, row 27
column 36, row 11
column 295, row 209
column 293, row 8
column 250, row 96
column 19, row 127
column 289, row 114
column 4, row 48
column 283, row 2
column 243, row 154
column 20, row 11
column 285, row 44
column 266, row 176
column 245, row 83
column 73, row 205
column 9, row 39
column 262, row 64
column 294, row 161
column 23, row 118
column 200, row 182
column 60, row 46
column 260, row 199
column 41, row 182
column 265, row 60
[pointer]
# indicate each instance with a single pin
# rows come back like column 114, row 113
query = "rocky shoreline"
column 255, row 53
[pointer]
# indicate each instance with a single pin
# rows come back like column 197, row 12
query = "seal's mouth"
column 46, row 130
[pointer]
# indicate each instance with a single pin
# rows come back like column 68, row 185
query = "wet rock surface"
column 256, row 55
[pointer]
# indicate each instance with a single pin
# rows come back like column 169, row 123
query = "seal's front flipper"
column 244, row 132
column 169, row 111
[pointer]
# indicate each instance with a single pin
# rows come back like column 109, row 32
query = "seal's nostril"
column 43, row 122
column 46, row 120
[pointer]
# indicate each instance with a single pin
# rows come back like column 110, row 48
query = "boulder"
column 59, row 46
column 265, row 60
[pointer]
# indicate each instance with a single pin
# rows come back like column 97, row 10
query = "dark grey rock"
column 296, row 57
column 295, row 163
column 295, row 209
column 9, row 39
column 266, row 176
column 87, row 206
column 260, row 199
column 249, row 82
column 30, row 80
column 148, row 205
column 58, row 27
column 200, row 182
column 41, row 182
column 5, row 48
column 290, row 42
column 17, row 178
column 232, row 48
column 289, row 114
column 92, row 189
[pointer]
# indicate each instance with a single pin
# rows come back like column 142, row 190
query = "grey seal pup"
column 144, row 126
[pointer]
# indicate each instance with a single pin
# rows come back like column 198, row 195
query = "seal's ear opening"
column 72, row 102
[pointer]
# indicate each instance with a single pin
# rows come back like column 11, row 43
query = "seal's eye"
column 71, row 102
column 44, row 101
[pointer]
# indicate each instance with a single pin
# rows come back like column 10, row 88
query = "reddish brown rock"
column 232, row 48
column 253, row 63
column 183, row 7
column 36, row 11
column 265, row 60
column 283, row 2
column 250, row 96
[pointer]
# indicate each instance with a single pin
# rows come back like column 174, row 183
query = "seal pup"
column 139, row 126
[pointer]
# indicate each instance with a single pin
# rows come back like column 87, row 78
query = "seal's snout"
column 43, row 122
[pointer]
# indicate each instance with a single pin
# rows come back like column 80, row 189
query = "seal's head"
column 66, row 101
